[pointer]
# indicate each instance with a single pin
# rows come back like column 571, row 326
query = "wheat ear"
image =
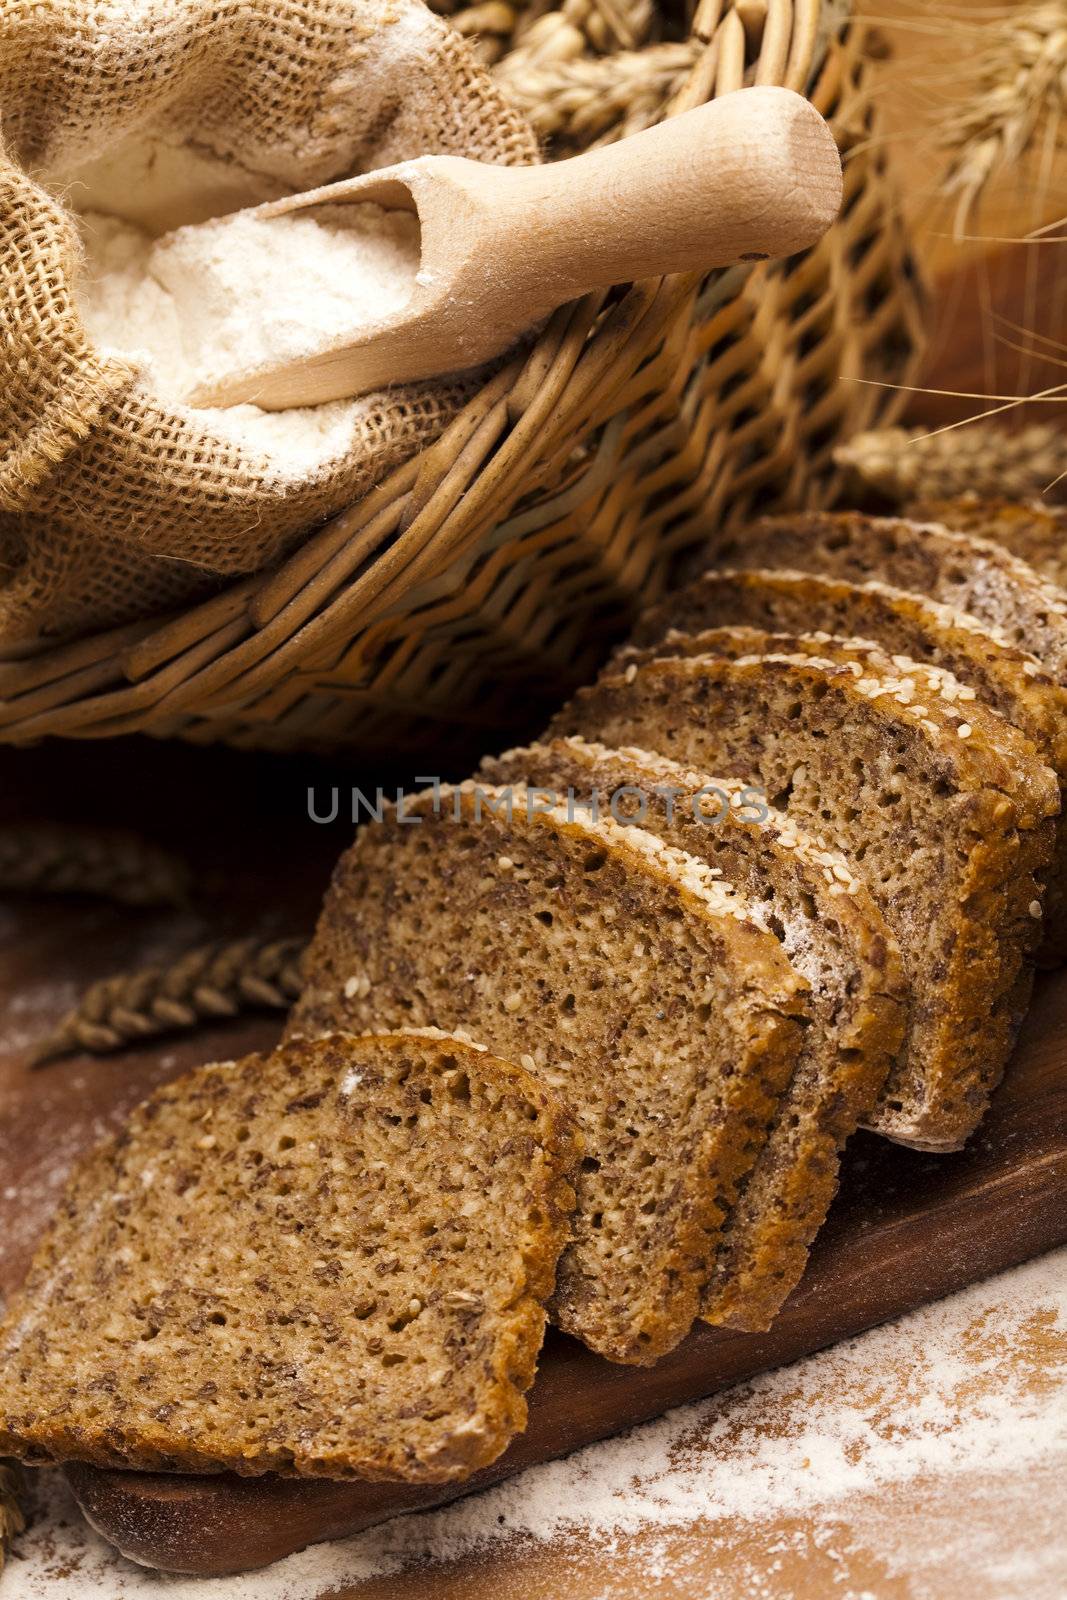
column 12, row 1518
column 60, row 858
column 204, row 985
column 1020, row 99
column 985, row 459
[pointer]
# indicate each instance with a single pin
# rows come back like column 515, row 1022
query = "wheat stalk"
column 12, row 1520
column 1021, row 96
column 494, row 28
column 204, row 985
column 596, row 99
column 53, row 858
column 488, row 28
column 985, row 459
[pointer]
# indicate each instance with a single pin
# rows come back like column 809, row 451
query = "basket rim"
column 210, row 659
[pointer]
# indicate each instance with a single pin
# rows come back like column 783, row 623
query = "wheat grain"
column 598, row 99
column 1020, row 97
column 60, row 858
column 12, row 1520
column 903, row 465
column 204, row 985
column 488, row 28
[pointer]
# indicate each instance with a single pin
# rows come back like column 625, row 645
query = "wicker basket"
column 483, row 579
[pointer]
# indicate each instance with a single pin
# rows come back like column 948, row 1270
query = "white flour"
column 219, row 297
column 966, row 1400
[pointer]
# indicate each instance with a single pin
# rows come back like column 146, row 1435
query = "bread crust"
column 974, row 575
column 857, row 1024
column 811, row 607
column 629, row 1284
column 1032, row 530
column 1000, row 802
column 78, row 1381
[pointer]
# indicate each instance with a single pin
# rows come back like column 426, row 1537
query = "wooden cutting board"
column 906, row 1228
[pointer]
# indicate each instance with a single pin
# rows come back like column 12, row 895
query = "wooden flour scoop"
column 753, row 174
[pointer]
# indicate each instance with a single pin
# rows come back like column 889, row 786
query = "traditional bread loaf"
column 865, row 658
column 834, row 936
column 621, row 971
column 950, row 826
column 972, row 575
column 810, row 606
column 331, row 1261
column 1006, row 677
column 1030, row 529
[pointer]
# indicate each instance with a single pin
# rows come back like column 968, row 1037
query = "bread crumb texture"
column 975, row 575
column 953, row 835
column 836, row 939
column 620, row 971
column 971, row 660
column 332, row 1261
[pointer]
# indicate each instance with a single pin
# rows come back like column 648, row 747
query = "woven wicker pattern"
column 489, row 571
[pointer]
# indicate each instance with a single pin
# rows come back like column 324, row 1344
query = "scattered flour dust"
column 241, row 292
column 975, row 1383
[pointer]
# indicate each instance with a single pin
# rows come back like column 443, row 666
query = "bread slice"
column 1030, row 529
column 835, row 937
column 332, row 1261
column 952, row 699
column 969, row 574
column 864, row 658
column 810, row 607
column 625, row 975
column 951, row 832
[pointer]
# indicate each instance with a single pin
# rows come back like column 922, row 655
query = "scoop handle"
column 753, row 174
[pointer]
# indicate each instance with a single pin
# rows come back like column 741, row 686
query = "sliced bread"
column 624, row 974
column 810, row 607
column 835, row 937
column 1030, row 529
column 332, row 1261
column 950, row 830
column 1009, row 679
column 969, row 574
column 957, row 702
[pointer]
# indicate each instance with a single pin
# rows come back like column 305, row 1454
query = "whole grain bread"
column 972, row 575
column 835, row 937
column 951, row 699
column 331, row 1261
column 625, row 975
column 810, row 607
column 951, row 832
column 1033, row 530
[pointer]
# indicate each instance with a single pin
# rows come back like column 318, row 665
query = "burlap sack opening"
column 112, row 504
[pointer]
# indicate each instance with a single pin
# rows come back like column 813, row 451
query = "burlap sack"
column 113, row 505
